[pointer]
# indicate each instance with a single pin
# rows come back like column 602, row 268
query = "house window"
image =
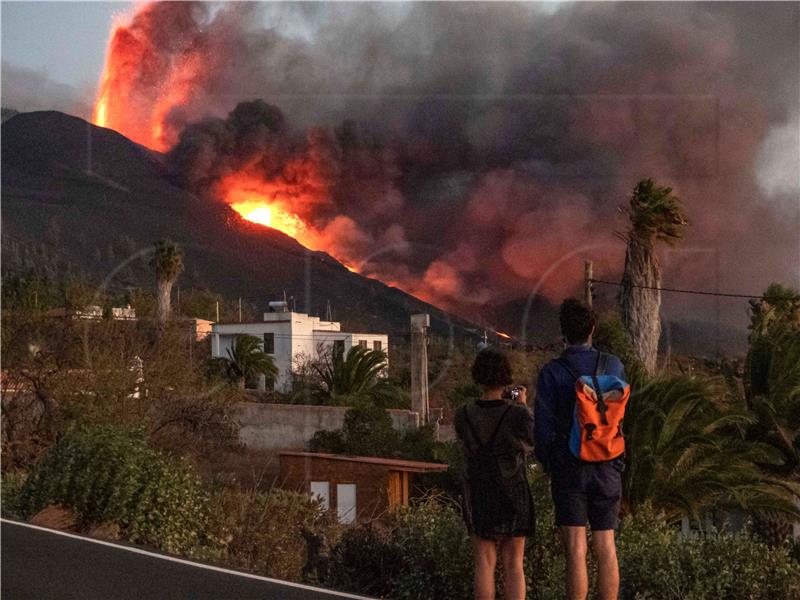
column 338, row 346
column 269, row 343
column 346, row 502
column 322, row 490
column 376, row 345
column 363, row 344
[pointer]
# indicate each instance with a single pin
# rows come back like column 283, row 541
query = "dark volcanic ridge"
column 112, row 198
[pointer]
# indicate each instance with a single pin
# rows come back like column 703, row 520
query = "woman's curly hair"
column 491, row 369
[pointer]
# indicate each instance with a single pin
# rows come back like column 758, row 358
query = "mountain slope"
column 93, row 201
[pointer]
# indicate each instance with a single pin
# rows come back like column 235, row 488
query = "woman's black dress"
column 513, row 442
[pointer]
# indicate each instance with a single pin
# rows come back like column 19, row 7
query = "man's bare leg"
column 574, row 539
column 485, row 556
column 607, row 567
column 512, row 551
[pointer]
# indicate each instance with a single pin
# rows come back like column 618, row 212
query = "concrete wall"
column 291, row 426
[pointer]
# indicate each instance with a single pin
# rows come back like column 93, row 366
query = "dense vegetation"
column 109, row 420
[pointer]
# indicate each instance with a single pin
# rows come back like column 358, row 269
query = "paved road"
column 38, row 564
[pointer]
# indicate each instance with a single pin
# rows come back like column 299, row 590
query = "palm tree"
column 357, row 377
column 655, row 216
column 168, row 264
column 247, row 359
column 687, row 454
column 772, row 390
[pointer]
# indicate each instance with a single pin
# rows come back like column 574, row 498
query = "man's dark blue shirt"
column 555, row 397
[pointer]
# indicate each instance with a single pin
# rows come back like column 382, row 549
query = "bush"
column 656, row 562
column 426, row 554
column 422, row 552
column 264, row 532
column 438, row 561
column 10, row 488
column 106, row 474
column 367, row 560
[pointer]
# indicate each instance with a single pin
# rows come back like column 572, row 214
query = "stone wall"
column 291, row 426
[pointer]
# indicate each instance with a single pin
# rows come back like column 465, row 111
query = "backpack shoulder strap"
column 599, row 369
column 602, row 363
column 472, row 427
column 566, row 364
column 490, row 442
column 492, row 437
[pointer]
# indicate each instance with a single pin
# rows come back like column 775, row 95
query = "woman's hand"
column 523, row 395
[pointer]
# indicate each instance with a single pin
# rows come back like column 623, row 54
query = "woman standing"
column 496, row 435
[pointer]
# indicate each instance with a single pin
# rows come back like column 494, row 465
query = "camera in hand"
column 511, row 393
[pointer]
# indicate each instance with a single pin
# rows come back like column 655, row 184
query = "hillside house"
column 292, row 338
column 358, row 487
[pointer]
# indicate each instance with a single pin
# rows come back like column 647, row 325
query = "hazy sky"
column 65, row 40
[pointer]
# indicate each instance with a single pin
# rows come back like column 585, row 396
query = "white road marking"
column 183, row 561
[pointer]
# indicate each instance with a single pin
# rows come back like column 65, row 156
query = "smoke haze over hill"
column 476, row 153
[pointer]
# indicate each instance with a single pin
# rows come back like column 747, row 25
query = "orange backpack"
column 596, row 431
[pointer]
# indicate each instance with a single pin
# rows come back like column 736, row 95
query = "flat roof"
column 412, row 466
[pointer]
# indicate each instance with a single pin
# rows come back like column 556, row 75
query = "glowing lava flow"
column 266, row 204
column 157, row 63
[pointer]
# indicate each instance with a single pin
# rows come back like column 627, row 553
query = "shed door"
column 395, row 489
column 346, row 502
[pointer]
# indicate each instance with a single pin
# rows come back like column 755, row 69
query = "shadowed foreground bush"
column 106, row 474
column 426, row 554
column 263, row 532
column 657, row 563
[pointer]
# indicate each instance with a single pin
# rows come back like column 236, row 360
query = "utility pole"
column 217, row 311
column 419, row 366
column 240, row 309
column 587, row 283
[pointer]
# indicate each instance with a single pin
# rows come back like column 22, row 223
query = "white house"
column 292, row 337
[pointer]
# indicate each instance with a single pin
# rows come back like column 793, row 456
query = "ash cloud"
column 26, row 90
column 473, row 153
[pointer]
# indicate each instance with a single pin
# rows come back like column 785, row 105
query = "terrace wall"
column 291, row 426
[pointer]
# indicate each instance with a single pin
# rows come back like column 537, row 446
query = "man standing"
column 582, row 491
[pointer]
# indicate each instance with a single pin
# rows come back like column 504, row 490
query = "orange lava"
column 267, row 204
column 141, row 85
column 145, row 80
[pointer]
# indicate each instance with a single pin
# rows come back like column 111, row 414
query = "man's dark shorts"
column 586, row 491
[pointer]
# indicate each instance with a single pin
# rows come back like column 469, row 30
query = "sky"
column 66, row 40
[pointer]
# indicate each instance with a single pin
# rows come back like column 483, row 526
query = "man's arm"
column 544, row 417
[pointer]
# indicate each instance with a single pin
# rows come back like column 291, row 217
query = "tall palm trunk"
column 640, row 306
column 164, row 307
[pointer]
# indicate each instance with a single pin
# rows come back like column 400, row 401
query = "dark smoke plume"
column 475, row 153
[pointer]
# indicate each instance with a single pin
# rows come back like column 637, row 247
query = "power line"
column 696, row 292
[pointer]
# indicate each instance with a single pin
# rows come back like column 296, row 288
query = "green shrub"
column 544, row 556
column 367, row 561
column 263, row 532
column 326, row 440
column 426, row 554
column 106, row 474
column 657, row 563
column 10, row 488
column 438, row 560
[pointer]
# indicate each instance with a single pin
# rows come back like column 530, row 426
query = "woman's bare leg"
column 485, row 554
column 512, row 551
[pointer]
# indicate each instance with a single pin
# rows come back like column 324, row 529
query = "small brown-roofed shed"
column 358, row 487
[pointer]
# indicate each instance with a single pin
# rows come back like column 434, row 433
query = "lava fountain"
column 157, row 62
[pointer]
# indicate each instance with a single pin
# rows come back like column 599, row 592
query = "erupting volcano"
column 148, row 73
column 476, row 177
